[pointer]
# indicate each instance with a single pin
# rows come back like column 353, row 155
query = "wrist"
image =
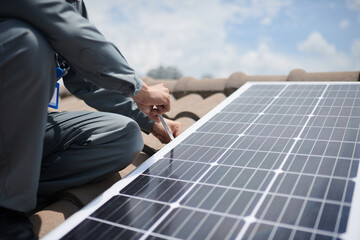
column 141, row 93
column 138, row 86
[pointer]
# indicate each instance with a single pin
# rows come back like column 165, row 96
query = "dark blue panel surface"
column 277, row 162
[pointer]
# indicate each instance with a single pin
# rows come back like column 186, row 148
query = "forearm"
column 106, row 100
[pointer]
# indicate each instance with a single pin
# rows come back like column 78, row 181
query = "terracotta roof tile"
column 71, row 103
column 180, row 89
column 203, row 107
column 187, row 122
column 152, row 144
column 196, row 110
column 63, row 92
column 84, row 194
column 50, row 217
column 182, row 104
column 170, row 84
column 193, row 106
column 139, row 160
column 301, row 75
column 204, row 87
column 238, row 79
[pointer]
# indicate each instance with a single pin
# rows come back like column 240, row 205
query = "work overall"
column 42, row 153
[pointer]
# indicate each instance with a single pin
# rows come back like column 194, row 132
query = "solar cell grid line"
column 337, row 120
column 185, row 194
column 230, row 172
column 252, row 217
column 343, row 195
column 333, row 173
column 155, row 225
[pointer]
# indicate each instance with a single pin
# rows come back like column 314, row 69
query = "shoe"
column 15, row 226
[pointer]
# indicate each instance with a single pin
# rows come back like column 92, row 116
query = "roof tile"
column 84, row 194
column 302, row 75
column 169, row 83
column 50, row 217
column 152, row 144
column 182, row 104
column 187, row 122
column 236, row 80
column 199, row 109
column 181, row 86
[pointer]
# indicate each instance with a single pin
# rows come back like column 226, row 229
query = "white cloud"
column 338, row 62
column 323, row 56
column 354, row 5
column 191, row 35
column 355, row 48
column 164, row 32
column 264, row 61
column 316, row 43
column 344, row 24
column 265, row 11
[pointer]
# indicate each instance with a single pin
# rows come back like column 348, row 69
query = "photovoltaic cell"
column 274, row 161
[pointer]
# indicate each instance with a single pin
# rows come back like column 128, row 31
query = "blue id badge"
column 54, row 102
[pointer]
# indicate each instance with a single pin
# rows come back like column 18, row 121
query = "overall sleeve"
column 106, row 100
column 78, row 42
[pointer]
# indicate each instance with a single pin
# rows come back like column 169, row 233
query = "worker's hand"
column 150, row 96
column 159, row 131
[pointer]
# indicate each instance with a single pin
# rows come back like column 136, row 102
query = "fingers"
column 161, row 138
column 160, row 97
column 164, row 103
column 177, row 130
column 166, row 107
column 154, row 115
column 150, row 96
column 157, row 111
column 155, row 118
column 164, row 139
column 175, row 127
column 160, row 133
column 157, row 95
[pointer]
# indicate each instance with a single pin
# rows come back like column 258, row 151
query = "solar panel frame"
column 354, row 217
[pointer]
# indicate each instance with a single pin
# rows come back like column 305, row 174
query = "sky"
column 219, row 37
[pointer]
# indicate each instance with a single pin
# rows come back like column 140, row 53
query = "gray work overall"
column 42, row 153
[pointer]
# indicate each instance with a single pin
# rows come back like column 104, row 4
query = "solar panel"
column 273, row 161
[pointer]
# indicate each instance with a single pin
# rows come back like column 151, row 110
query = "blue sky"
column 220, row 37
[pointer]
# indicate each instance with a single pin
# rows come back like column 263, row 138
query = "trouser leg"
column 27, row 78
column 81, row 147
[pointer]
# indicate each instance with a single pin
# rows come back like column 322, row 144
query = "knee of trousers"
column 29, row 51
column 131, row 143
column 136, row 143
